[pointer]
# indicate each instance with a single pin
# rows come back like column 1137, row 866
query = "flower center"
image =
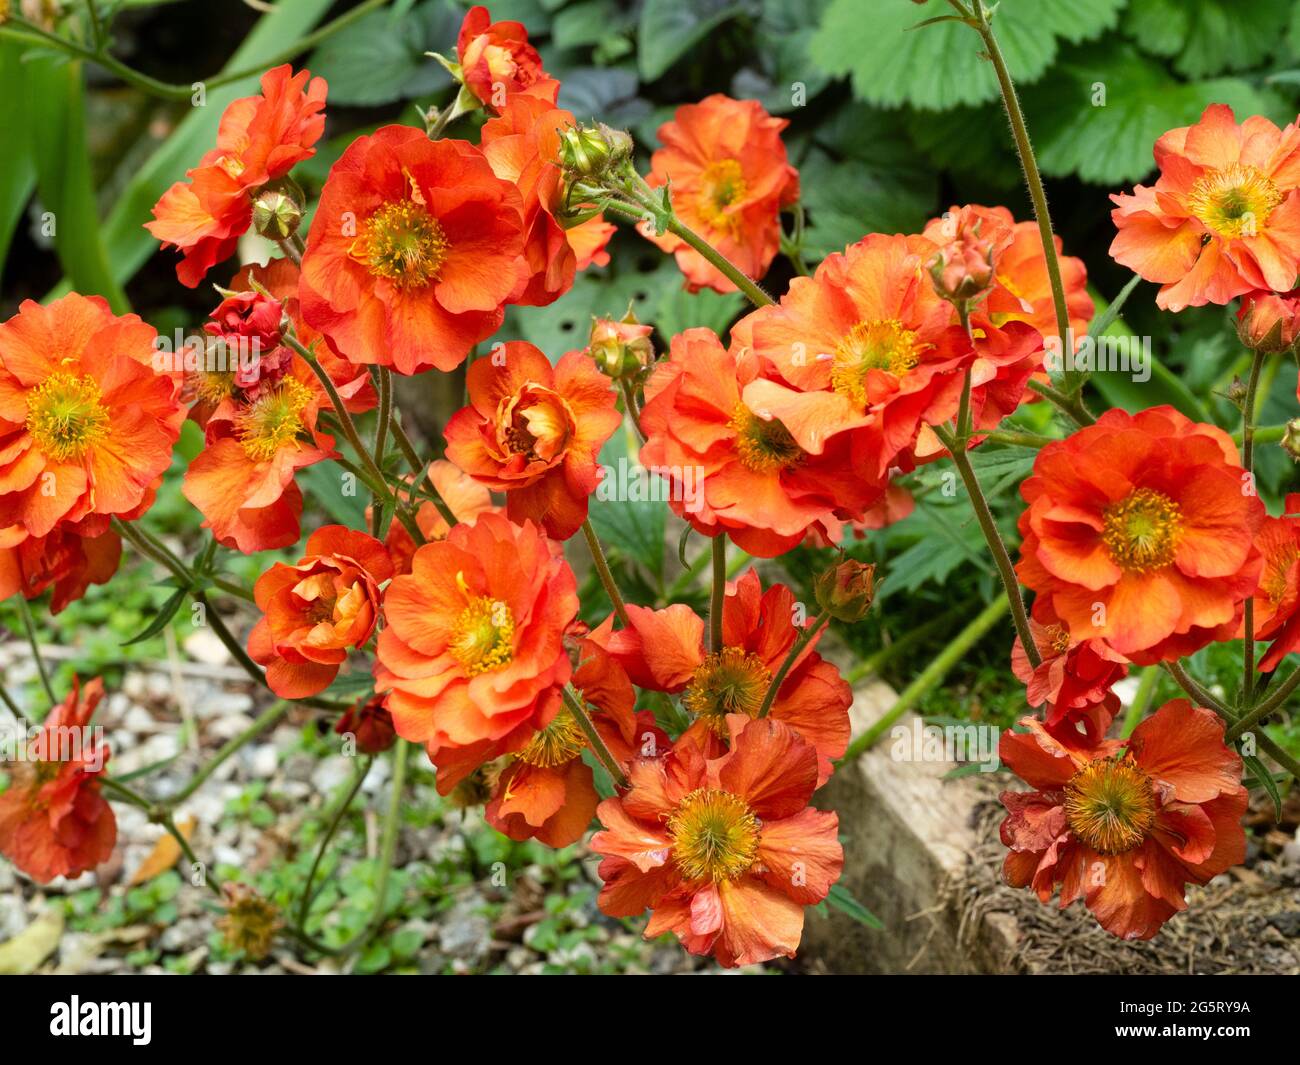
column 558, row 743
column 1142, row 530
column 273, row 420
column 484, row 636
column 1056, row 639
column 763, row 444
column 730, row 681
column 715, row 835
column 403, row 243
column 880, row 345
column 65, row 415
column 537, row 424
column 1276, row 579
column 722, row 185
column 1235, row 201
column 1110, row 805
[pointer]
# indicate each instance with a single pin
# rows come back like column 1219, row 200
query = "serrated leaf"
column 165, row 613
column 1102, row 110
column 671, row 28
column 1207, row 36
column 847, row 199
column 780, row 56
column 840, row 898
column 632, row 527
column 938, row 66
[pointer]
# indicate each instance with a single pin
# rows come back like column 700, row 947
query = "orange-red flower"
column 1277, row 599
column 533, row 431
column 414, row 250
column 546, row 791
column 1140, row 531
column 725, row 852
column 70, row 559
column 731, row 466
column 53, row 819
column 1074, row 679
column 496, row 60
column 523, row 145
column 86, row 424
column 663, row 650
column 472, row 653
column 730, row 177
column 465, row 498
column 1223, row 217
column 866, row 344
column 1125, row 826
column 261, row 138
column 370, row 724
column 316, row 611
column 259, row 416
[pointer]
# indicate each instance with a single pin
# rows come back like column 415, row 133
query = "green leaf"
column 671, row 28
column 18, row 175
column 938, row 66
column 322, row 482
column 632, row 527
column 1102, row 110
column 165, row 613
column 127, row 242
column 848, row 199
column 56, row 102
column 780, row 60
column 840, row 898
column 1264, row 779
column 380, row 59
column 1207, row 36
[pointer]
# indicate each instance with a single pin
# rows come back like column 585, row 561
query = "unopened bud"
column 1268, row 323
column 845, row 591
column 590, row 151
column 621, row 348
column 1291, row 439
column 277, row 210
column 963, row 270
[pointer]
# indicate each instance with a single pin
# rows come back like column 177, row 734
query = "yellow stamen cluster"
column 558, row 743
column 763, row 444
column 1110, row 805
column 484, row 636
column 403, row 243
column 1275, row 581
column 66, row 416
column 885, row 344
column 273, row 420
column 715, row 835
column 1141, row 531
column 730, row 681
column 722, row 185
column 1235, row 201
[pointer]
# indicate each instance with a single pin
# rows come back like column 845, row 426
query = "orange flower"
column 1277, row 599
column 53, row 819
column 69, row 558
column 663, row 650
column 864, row 344
column 261, row 138
column 86, row 424
column 533, row 431
column 496, row 60
column 733, row 468
column 1140, row 531
column 316, row 611
column 1074, row 679
column 730, row 178
column 473, row 649
column 415, row 249
column 1021, row 291
column 1125, row 826
column 546, row 791
column 259, row 418
column 725, row 852
column 465, row 498
column 1222, row 218
column 523, row 146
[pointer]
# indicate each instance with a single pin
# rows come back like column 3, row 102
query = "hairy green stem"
column 804, row 638
column 603, row 572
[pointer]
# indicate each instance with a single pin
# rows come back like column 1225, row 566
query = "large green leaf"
column 1102, row 109
column 56, row 103
column 939, row 66
column 1207, row 36
column 671, row 28
column 18, row 174
column 127, row 242
column 633, row 528
column 781, row 66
